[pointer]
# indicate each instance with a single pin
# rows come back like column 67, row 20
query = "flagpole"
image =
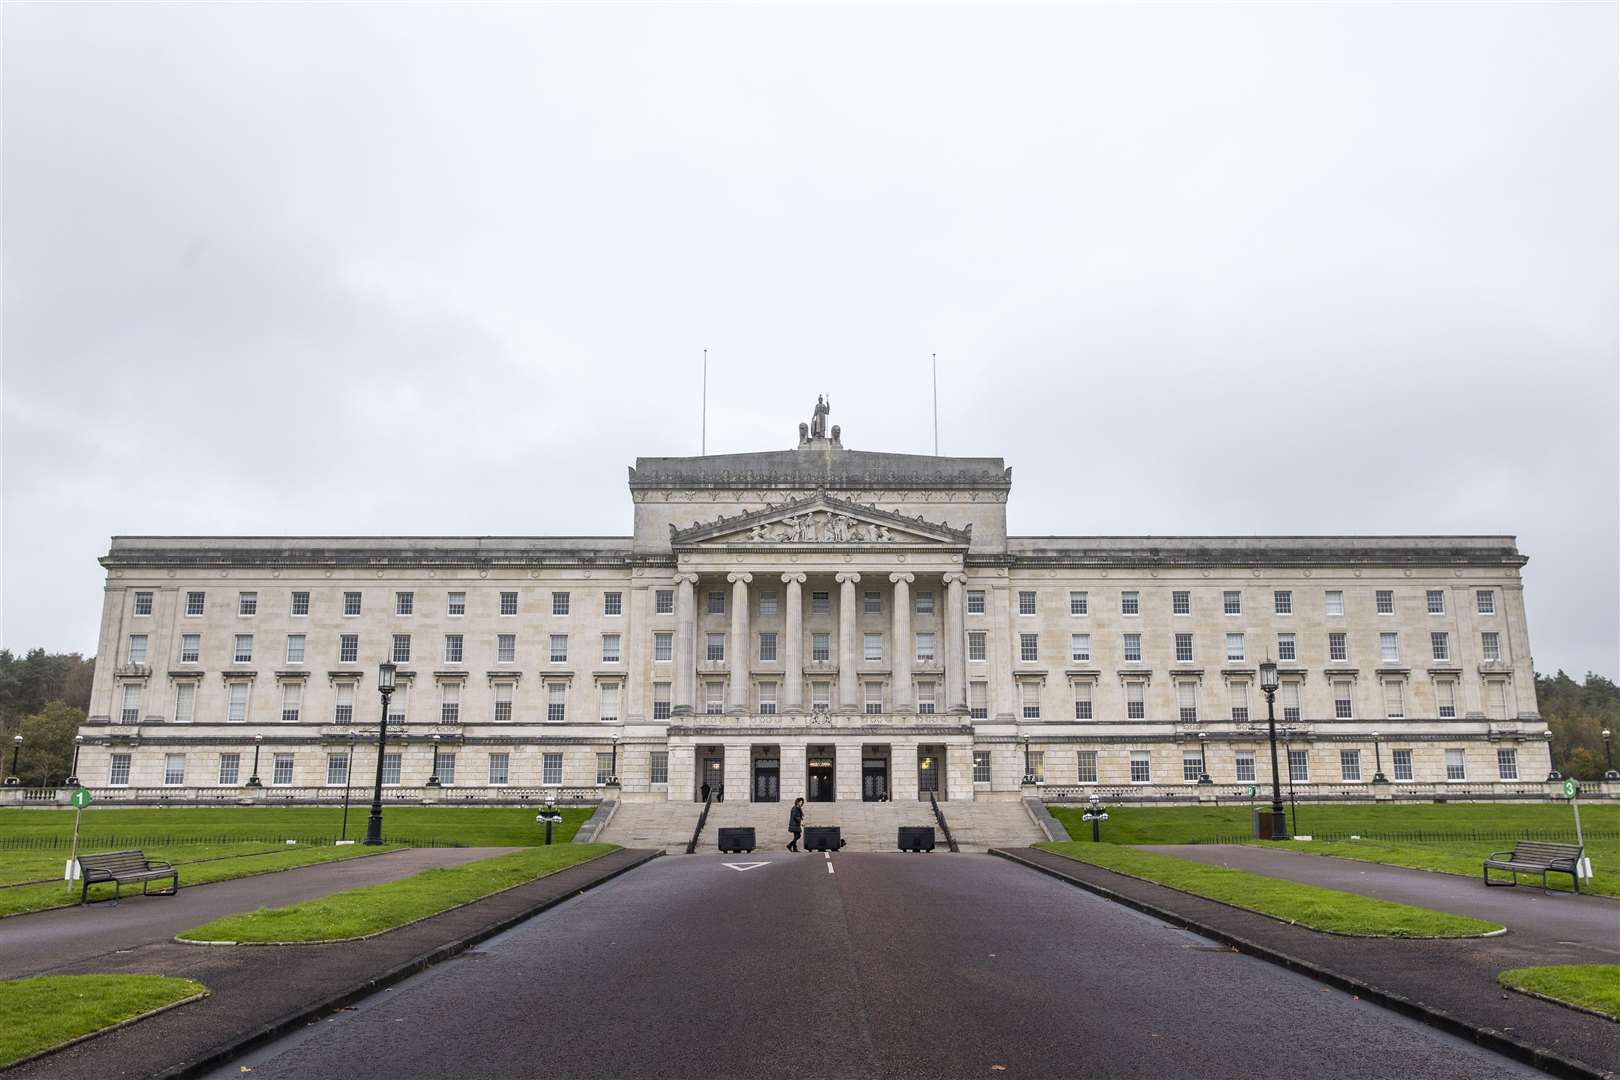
column 935, row 358
column 704, row 447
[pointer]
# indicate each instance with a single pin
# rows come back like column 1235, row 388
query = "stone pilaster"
column 684, row 656
column 847, row 648
column 737, row 701
column 793, row 654
column 955, row 664
column 903, row 647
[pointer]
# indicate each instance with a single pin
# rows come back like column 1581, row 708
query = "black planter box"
column 823, row 838
column 737, row 839
column 916, row 838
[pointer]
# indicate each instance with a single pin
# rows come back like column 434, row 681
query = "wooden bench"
column 1536, row 857
column 119, row 867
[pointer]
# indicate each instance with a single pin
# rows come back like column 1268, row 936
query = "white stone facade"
column 861, row 620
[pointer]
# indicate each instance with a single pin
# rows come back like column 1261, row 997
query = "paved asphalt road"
column 1592, row 921
column 43, row 941
column 884, row 966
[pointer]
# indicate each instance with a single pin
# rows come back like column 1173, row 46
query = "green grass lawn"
column 1588, row 986
column 376, row 908
column 1305, row 905
column 37, row 1014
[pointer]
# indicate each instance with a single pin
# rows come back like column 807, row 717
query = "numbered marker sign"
column 1572, row 788
column 1251, row 791
column 80, row 798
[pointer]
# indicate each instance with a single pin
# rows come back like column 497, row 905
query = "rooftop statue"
column 818, row 420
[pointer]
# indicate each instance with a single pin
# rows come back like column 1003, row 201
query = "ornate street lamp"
column 1554, row 775
column 433, row 779
column 1378, row 759
column 613, row 760
column 1029, row 766
column 1268, row 685
column 16, row 746
column 1608, row 757
column 385, row 688
column 1203, row 759
column 73, row 776
column 253, row 781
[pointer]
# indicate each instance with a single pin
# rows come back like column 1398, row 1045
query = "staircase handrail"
column 950, row 841
column 691, row 847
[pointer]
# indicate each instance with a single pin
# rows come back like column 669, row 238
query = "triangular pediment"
column 820, row 520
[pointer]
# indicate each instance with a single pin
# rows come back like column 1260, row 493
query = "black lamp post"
column 1203, row 758
column 1378, row 762
column 1608, row 757
column 1029, row 766
column 73, row 775
column 16, row 746
column 348, row 782
column 1268, row 686
column 613, row 759
column 1553, row 776
column 433, row 778
column 253, row 781
column 385, row 687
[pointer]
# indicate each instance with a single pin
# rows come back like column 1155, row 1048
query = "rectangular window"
column 1232, row 601
column 500, row 768
column 767, row 699
column 1285, row 647
column 658, row 767
column 456, row 605
column 1239, row 693
column 1079, row 647
column 1445, row 692
column 1181, row 602
column 281, row 769
column 1395, row 700
column 247, row 603
column 509, row 603
column 450, row 703
column 1184, row 648
column 190, row 648
column 559, row 603
column 185, row 702
column 820, row 696
column 396, row 704
column 607, row 702
column 1389, row 647
column 874, row 697
column 714, row 698
column 1490, row 646
column 1234, row 647
column 1244, row 763
column 663, row 647
column 604, row 769
column 236, row 699
column 503, row 702
column 1290, row 698
column 351, row 604
column 243, row 652
column 118, row 770
column 337, row 769
column 820, row 646
column 404, row 603
column 1440, row 645
column 663, row 602
column 292, row 701
column 1026, row 602
column 1507, row 761
column 820, row 603
column 174, row 769
column 767, row 647
column 1299, row 766
column 1141, row 768
column 444, row 767
column 300, row 605
column 661, row 710
column 1384, row 602
column 230, row 770
column 1135, row 701
column 1082, row 701
column 767, row 602
column 1342, row 706
column 1282, row 602
column 1031, row 699
column 976, row 644
column 1133, row 648
column 1079, row 603
column 1338, row 647
column 1436, row 599
column 551, row 768
column 872, row 647
column 612, row 604
column 714, row 646
column 981, row 766
column 1333, row 602
column 1403, row 764
column 390, row 768
column 1485, row 600
column 610, row 649
column 872, row 604
column 343, row 709
column 1029, row 648
column 925, row 602
column 295, row 648
column 505, row 648
column 975, row 602
column 925, row 648
column 978, row 700
column 143, row 604
column 349, row 649
column 1456, row 765
column 402, row 648
column 1192, row 766
column 1130, row 603
column 559, row 649
column 1187, row 702
column 137, row 648
column 194, row 603
column 1350, row 766
column 556, row 702
column 1087, row 772
column 1037, row 765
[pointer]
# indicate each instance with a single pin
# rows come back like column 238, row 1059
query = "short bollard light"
column 549, row 816
column 1096, row 815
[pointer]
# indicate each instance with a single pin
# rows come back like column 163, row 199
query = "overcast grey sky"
column 1189, row 269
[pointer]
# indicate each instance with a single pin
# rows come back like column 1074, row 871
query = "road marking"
column 740, row 866
column 829, row 867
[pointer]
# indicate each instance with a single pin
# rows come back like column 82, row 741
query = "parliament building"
column 820, row 621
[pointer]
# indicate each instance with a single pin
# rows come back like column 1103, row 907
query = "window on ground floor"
column 658, row 769
column 1299, row 766
column 500, row 765
column 1087, row 773
column 551, row 768
column 1141, row 767
column 281, row 771
column 1350, row 766
column 1456, row 765
column 118, row 771
column 1244, row 765
column 1507, row 764
column 1403, row 764
column 981, row 766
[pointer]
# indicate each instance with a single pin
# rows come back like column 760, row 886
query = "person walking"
column 795, row 823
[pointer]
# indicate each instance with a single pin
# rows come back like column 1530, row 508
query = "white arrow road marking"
column 745, row 865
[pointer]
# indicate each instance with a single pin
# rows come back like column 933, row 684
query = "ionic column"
column 903, row 646
column 955, row 666
column 685, row 631
column 846, row 642
column 793, row 647
column 739, row 642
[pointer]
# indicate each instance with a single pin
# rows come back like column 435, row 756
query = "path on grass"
column 41, row 941
column 1589, row 921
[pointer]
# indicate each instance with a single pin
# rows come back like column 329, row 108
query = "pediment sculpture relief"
column 821, row 527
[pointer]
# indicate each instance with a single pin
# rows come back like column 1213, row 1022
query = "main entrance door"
column 767, row 779
column 712, row 775
column 927, row 773
column 819, row 780
column 874, row 779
